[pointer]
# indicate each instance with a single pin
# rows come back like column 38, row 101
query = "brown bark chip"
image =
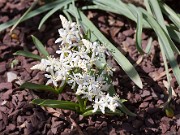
column 2, row 67
column 7, row 94
column 18, row 116
column 6, row 86
column 145, row 93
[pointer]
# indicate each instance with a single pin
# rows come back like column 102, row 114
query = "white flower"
column 41, row 66
column 75, row 79
column 108, row 69
column 63, row 52
column 69, row 33
column 87, row 44
column 76, row 66
column 52, row 79
column 82, row 54
column 64, row 21
column 99, row 104
column 105, row 101
column 113, row 103
column 82, row 63
column 80, row 90
column 61, row 75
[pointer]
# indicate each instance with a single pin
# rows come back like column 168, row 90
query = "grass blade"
column 170, row 14
column 118, row 56
column 158, row 14
column 174, row 34
column 149, row 45
column 167, row 43
column 107, row 112
column 39, row 87
column 139, row 32
column 126, row 111
column 32, row 14
column 21, row 18
column 146, row 3
column 39, row 46
column 167, row 73
column 28, row 54
column 159, row 17
column 51, row 12
column 67, row 105
column 115, row 6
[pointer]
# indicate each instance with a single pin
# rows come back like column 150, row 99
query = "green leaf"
column 39, row 46
column 166, row 45
column 32, row 13
column 107, row 112
column 170, row 14
column 67, row 105
column 157, row 11
column 113, row 5
column 67, row 14
column 87, row 35
column 118, row 56
column 126, row 111
column 24, row 15
column 28, row 54
column 139, row 32
column 158, row 14
column 51, row 12
column 149, row 45
column 118, row 7
column 111, row 90
column 124, row 10
column 39, row 87
column 174, row 34
column 146, row 3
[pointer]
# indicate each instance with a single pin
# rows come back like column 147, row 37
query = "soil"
column 17, row 114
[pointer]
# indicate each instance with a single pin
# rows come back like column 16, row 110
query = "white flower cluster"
column 76, row 66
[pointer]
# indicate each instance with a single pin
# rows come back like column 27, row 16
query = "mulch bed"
column 19, row 116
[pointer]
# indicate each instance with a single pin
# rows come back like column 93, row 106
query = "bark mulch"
column 19, row 116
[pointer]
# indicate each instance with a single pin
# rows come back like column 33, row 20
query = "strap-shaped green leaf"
column 149, row 45
column 166, row 45
column 52, row 11
column 118, row 56
column 146, row 3
column 158, row 14
column 67, row 105
column 126, row 111
column 139, row 32
column 107, row 112
column 170, row 14
column 175, row 35
column 28, row 54
column 39, row 46
column 124, row 10
column 24, row 15
column 39, row 87
column 32, row 13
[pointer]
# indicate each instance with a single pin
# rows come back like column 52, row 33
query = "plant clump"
column 82, row 65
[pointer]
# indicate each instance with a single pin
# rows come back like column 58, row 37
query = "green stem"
column 60, row 89
column 81, row 104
